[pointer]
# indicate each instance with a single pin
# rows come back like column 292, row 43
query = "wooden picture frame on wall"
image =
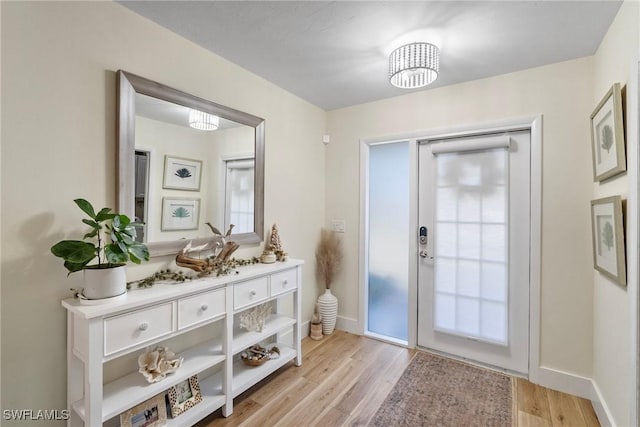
column 608, row 238
column 607, row 136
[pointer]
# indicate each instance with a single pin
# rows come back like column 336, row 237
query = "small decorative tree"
column 276, row 244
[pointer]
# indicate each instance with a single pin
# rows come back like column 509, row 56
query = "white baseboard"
column 286, row 337
column 304, row 329
column 576, row 385
column 562, row 381
column 600, row 406
column 348, row 324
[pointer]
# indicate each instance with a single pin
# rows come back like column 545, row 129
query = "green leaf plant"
column 115, row 241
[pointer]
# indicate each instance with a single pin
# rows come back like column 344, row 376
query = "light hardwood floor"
column 344, row 378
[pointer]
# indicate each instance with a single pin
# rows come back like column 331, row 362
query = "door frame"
column 633, row 232
column 531, row 123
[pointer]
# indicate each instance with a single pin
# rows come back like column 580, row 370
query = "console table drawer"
column 201, row 307
column 283, row 282
column 128, row 330
column 250, row 292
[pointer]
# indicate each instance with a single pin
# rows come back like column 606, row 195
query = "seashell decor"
column 254, row 319
column 156, row 364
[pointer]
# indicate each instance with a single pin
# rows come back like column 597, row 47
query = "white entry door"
column 473, row 268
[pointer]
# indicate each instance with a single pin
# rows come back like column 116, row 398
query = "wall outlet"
column 338, row 225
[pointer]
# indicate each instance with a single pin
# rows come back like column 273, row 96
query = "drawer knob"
column 285, row 282
column 204, row 307
column 252, row 293
column 143, row 326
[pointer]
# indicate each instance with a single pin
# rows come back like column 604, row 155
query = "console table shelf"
column 99, row 333
column 245, row 376
column 275, row 323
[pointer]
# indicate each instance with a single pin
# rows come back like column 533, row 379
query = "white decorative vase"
column 328, row 309
column 100, row 283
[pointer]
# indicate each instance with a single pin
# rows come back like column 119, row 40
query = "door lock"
column 422, row 235
column 423, row 240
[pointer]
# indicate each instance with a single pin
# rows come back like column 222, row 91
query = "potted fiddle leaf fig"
column 112, row 244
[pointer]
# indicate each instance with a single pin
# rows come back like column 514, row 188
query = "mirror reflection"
column 185, row 164
column 191, row 168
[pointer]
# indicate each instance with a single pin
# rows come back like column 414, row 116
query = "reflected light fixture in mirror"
column 203, row 121
column 155, row 141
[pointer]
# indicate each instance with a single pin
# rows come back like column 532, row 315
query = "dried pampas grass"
column 328, row 257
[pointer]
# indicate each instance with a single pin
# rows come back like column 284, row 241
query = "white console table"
column 97, row 334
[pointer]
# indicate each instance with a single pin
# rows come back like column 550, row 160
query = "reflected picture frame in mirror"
column 131, row 86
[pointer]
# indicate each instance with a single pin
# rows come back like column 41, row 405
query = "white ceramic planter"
column 328, row 309
column 102, row 283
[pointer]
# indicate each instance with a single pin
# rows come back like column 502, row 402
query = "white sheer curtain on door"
column 471, row 241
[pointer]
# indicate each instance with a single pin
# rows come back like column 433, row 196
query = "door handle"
column 424, row 254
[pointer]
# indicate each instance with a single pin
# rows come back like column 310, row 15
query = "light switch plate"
column 338, row 225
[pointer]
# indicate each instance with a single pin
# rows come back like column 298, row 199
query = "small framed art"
column 607, row 136
column 180, row 213
column 150, row 413
column 608, row 238
column 184, row 395
column 181, row 173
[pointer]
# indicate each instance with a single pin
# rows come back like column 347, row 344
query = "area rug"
column 435, row 391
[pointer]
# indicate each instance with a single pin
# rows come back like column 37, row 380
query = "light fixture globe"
column 414, row 65
column 203, row 121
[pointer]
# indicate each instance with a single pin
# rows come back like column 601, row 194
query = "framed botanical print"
column 180, row 213
column 184, row 395
column 607, row 136
column 151, row 413
column 181, row 173
column 608, row 238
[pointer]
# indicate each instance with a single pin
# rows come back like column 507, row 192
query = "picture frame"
column 184, row 396
column 608, row 238
column 181, row 173
column 607, row 136
column 150, row 413
column 179, row 213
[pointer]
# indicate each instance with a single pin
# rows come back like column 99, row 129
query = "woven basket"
column 257, row 362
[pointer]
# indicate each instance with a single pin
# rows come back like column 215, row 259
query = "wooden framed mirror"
column 183, row 162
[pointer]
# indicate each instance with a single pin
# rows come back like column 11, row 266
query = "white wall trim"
column 565, row 382
column 538, row 374
column 363, row 271
column 600, row 407
column 287, row 336
column 363, row 320
column 412, row 333
column 633, row 233
column 348, row 324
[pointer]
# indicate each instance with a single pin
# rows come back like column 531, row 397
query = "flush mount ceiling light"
column 203, row 121
column 414, row 65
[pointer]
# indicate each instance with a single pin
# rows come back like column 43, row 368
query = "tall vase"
column 328, row 308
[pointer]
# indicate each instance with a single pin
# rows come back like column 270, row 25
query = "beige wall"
column 562, row 94
column 59, row 143
column 612, row 373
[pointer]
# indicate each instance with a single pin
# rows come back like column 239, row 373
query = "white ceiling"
column 335, row 54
